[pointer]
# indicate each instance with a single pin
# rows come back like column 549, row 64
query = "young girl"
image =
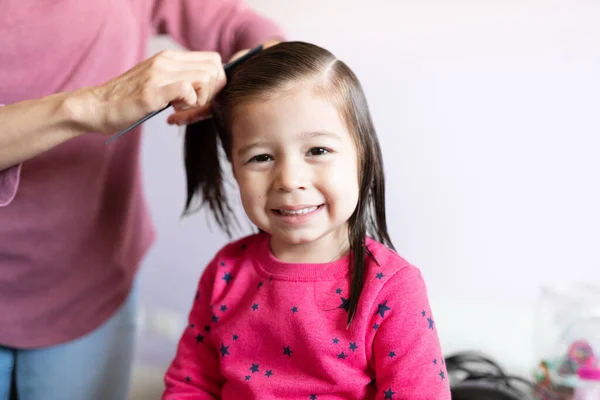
column 317, row 305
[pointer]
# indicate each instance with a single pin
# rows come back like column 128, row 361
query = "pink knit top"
column 260, row 328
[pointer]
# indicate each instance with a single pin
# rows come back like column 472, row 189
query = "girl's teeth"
column 296, row 212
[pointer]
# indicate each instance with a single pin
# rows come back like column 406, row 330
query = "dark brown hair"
column 268, row 74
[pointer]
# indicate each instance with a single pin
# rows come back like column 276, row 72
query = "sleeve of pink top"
column 9, row 182
column 224, row 26
column 407, row 355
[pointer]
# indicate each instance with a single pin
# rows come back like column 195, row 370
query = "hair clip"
column 227, row 67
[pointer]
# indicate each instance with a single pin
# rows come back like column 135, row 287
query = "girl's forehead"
column 287, row 114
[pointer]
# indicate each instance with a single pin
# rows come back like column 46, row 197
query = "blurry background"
column 489, row 117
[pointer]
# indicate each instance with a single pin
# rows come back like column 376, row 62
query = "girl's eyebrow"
column 250, row 146
column 302, row 136
column 310, row 135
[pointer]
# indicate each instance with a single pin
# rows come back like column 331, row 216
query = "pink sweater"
column 73, row 221
column 263, row 329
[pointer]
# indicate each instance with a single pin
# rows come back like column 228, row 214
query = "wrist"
column 81, row 111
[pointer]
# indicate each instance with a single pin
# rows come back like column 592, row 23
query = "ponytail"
column 204, row 173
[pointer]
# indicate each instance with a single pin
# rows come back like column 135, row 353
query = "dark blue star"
column 392, row 354
column 224, row 350
column 430, row 323
column 223, row 308
column 235, row 337
column 215, row 319
column 342, row 355
column 260, row 284
column 442, row 375
column 389, row 394
column 382, row 308
column 207, row 328
column 255, row 307
column 227, row 277
column 192, row 326
column 336, row 340
column 269, row 373
column 294, row 309
column 423, row 313
column 353, row 346
column 287, row 351
column 254, row 368
column 379, row 275
column 247, row 377
column 338, row 291
column 345, row 304
column 199, row 339
column 313, row 397
column 222, row 264
column 188, row 379
column 375, row 326
column 435, row 361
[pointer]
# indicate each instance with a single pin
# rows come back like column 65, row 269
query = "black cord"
column 472, row 357
column 478, row 368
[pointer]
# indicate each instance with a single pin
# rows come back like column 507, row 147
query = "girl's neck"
column 326, row 249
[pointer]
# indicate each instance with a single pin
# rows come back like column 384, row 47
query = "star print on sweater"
column 278, row 331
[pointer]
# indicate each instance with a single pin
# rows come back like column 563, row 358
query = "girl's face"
column 296, row 165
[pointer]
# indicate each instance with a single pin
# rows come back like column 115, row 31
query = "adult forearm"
column 31, row 127
column 185, row 79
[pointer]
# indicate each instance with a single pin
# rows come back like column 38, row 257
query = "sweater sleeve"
column 9, row 182
column 406, row 353
column 224, row 26
column 195, row 372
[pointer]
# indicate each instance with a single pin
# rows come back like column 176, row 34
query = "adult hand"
column 186, row 117
column 186, row 79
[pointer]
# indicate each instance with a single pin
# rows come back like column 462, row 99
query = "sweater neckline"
column 276, row 269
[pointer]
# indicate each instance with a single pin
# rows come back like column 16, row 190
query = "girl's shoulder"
column 241, row 247
column 384, row 266
column 380, row 256
column 235, row 253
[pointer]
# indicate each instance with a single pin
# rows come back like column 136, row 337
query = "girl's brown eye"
column 318, row 151
column 261, row 158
